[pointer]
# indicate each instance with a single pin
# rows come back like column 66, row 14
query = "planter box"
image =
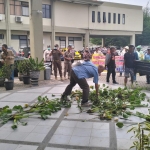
column 143, row 68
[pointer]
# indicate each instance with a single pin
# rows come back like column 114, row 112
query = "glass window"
column 114, row 18
column 25, row 8
column 15, row 37
column 23, row 41
column 104, row 17
column 99, row 17
column 109, row 17
column 2, row 7
column 118, row 18
column 93, row 16
column 1, row 36
column 46, row 11
column 77, row 38
column 15, row 8
column 123, row 19
column 62, row 44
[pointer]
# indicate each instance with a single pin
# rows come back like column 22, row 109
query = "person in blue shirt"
column 79, row 73
column 147, row 57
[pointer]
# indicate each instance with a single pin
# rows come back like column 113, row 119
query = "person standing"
column 56, row 53
column 47, row 57
column 147, row 57
column 129, row 64
column 68, row 56
column 8, row 57
column 79, row 74
column 140, row 52
column 125, row 50
column 97, row 51
column 111, row 65
column 73, row 54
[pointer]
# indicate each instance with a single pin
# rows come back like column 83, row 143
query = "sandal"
column 87, row 104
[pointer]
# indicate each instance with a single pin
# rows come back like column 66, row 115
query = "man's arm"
column 96, row 87
column 12, row 55
column 60, row 52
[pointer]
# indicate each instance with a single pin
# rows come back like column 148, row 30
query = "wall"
column 46, row 40
column 3, row 41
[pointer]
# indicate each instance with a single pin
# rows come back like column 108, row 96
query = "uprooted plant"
column 43, row 107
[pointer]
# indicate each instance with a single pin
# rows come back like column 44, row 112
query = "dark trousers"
column 111, row 70
column 148, row 79
column 57, row 64
column 83, row 85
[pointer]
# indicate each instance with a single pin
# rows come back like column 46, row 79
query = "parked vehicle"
column 77, row 56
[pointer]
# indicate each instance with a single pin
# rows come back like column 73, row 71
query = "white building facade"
column 69, row 22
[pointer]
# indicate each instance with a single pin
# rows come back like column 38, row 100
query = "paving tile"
column 41, row 129
column 26, row 147
column 4, row 134
column 6, row 146
column 47, row 122
column 27, row 128
column 32, row 121
column 57, row 114
column 60, row 139
column 35, row 137
column 52, row 148
column 72, row 116
column 21, row 97
column 7, row 127
column 100, row 133
column 17, row 136
column 79, row 141
column 70, row 124
column 82, row 132
column 124, row 143
column 36, row 90
column 101, row 126
column 51, row 97
column 64, row 131
column 85, row 125
column 99, row 142
column 57, row 90
column 3, row 94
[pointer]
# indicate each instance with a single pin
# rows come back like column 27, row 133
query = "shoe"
column 55, row 78
column 87, row 104
column 115, row 82
column 61, row 79
column 64, row 98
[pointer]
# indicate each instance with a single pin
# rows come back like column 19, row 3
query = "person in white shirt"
column 97, row 51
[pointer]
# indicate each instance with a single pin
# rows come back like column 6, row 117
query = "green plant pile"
column 7, row 71
column 120, row 103
column 1, row 73
column 43, row 107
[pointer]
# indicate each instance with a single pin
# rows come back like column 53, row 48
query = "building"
column 69, row 22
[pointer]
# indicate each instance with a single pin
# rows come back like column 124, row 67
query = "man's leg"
column 12, row 72
column 69, row 70
column 147, row 79
column 132, row 74
column 126, row 73
column 108, row 74
column 65, row 69
column 125, row 81
column 59, row 68
column 55, row 69
column 70, row 86
column 114, row 75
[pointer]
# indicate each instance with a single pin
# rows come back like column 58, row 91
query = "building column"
column 36, row 31
column 132, row 39
column 53, row 23
column 103, row 42
column 87, row 38
column 7, row 16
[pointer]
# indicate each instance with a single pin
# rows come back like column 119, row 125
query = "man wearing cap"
column 68, row 56
column 79, row 74
column 129, row 64
column 56, row 53
column 147, row 57
column 125, row 50
column 140, row 52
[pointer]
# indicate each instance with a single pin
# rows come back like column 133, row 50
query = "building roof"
column 85, row 2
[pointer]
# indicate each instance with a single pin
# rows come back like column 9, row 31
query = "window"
column 15, row 37
column 1, row 36
column 104, row 17
column 46, row 11
column 71, row 41
column 25, row 8
column 23, row 42
column 93, row 16
column 77, row 38
column 99, row 17
column 1, row 6
column 109, row 17
column 123, row 19
column 15, row 8
column 118, row 18
column 114, row 18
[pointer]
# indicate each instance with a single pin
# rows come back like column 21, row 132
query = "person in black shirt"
column 129, row 62
column 111, row 65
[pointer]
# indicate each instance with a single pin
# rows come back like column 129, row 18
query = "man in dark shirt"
column 129, row 64
column 111, row 65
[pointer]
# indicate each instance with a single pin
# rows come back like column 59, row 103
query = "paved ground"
column 61, row 132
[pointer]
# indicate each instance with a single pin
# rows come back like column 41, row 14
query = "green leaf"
column 24, row 123
column 119, row 124
column 132, row 107
column 14, row 126
column 125, row 115
column 53, row 95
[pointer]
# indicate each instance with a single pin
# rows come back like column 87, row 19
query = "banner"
column 100, row 60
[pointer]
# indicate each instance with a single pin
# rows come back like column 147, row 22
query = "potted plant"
column 35, row 67
column 2, row 79
column 26, row 71
column 20, row 69
column 7, row 71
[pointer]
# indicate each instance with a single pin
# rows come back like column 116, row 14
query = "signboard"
column 100, row 60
